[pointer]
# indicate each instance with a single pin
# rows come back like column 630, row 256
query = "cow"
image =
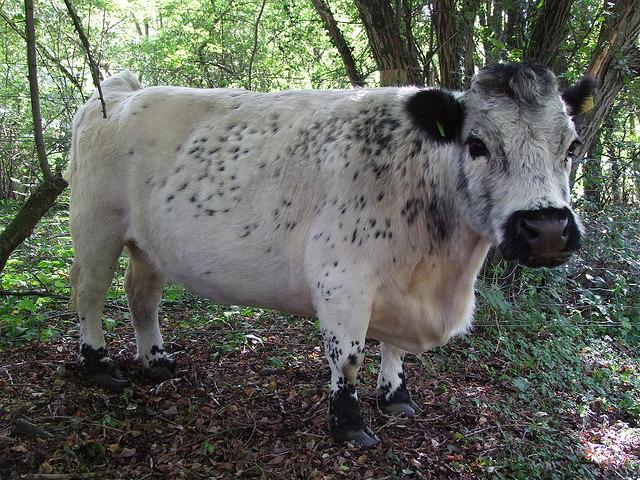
column 371, row 209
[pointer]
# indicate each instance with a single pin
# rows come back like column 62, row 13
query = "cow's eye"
column 574, row 148
column 477, row 148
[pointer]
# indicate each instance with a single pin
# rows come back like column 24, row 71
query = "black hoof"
column 161, row 369
column 408, row 409
column 100, row 369
column 365, row 437
column 109, row 381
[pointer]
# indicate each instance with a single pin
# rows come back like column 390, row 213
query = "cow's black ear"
column 579, row 98
column 437, row 113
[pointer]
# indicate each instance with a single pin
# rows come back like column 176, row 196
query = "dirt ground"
column 244, row 407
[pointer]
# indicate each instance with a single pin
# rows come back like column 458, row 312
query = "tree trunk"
column 469, row 13
column 339, row 41
column 34, row 91
column 453, row 24
column 548, row 32
column 387, row 44
column 616, row 60
column 514, row 34
column 445, row 23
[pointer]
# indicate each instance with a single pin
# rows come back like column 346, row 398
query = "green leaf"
column 521, row 384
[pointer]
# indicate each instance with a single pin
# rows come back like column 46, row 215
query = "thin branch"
column 95, row 70
column 255, row 40
column 34, row 91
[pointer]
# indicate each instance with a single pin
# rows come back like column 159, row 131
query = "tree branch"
column 95, row 70
column 21, row 226
column 339, row 41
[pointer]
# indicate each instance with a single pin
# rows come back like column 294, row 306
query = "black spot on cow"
column 412, row 208
column 156, row 350
column 438, row 230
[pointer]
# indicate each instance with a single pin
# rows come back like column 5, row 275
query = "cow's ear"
column 579, row 98
column 437, row 113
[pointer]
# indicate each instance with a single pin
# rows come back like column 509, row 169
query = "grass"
column 562, row 342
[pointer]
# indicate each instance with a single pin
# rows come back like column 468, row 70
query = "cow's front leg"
column 345, row 355
column 393, row 395
column 144, row 284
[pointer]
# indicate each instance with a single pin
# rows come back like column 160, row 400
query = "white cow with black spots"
column 372, row 209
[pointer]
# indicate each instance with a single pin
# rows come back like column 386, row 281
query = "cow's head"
column 514, row 141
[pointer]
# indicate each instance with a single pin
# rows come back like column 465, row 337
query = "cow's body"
column 351, row 206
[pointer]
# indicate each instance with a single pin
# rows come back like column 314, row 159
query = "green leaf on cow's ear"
column 440, row 128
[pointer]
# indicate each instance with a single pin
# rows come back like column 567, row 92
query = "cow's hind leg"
column 91, row 276
column 393, row 395
column 144, row 284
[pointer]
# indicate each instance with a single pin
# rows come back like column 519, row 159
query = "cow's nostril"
column 530, row 231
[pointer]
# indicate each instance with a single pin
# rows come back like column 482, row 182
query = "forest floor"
column 250, row 396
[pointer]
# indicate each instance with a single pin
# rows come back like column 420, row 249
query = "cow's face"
column 515, row 141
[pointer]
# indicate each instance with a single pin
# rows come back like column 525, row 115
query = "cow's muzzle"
column 541, row 238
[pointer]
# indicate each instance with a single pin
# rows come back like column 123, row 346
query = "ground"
column 249, row 400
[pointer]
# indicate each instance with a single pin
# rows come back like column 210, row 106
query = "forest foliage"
column 273, row 45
